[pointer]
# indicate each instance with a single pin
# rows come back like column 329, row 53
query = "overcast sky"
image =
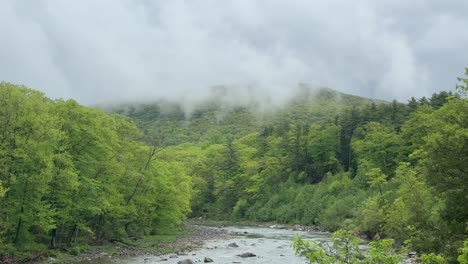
column 106, row 50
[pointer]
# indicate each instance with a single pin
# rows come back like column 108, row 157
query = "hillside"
column 72, row 175
column 221, row 114
column 323, row 158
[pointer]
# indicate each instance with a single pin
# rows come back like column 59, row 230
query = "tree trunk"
column 53, row 238
column 71, row 235
column 18, row 229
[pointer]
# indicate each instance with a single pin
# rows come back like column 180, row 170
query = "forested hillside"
column 72, row 175
column 384, row 169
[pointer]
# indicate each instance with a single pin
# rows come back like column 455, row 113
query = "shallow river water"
column 268, row 244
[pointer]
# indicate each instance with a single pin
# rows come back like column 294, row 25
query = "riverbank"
column 191, row 237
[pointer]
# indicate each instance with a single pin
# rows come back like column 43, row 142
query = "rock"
column 376, row 236
column 298, row 228
column 233, row 244
column 412, row 254
column 281, row 255
column 173, row 256
column 247, row 255
column 410, row 261
column 207, row 259
column 186, row 261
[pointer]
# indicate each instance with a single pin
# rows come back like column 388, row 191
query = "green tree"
column 462, row 87
column 463, row 257
column 27, row 142
column 380, row 146
column 447, row 161
column 323, row 148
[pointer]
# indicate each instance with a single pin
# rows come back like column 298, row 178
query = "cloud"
column 115, row 50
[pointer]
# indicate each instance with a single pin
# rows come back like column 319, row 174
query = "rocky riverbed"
column 202, row 244
column 194, row 237
column 228, row 245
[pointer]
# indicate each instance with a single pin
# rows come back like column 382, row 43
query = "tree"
column 463, row 257
column 463, row 86
column 323, row 148
column 27, row 141
column 380, row 146
column 446, row 161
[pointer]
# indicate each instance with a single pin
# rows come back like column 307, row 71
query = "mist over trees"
column 389, row 169
column 72, row 175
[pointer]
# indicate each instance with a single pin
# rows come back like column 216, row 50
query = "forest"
column 72, row 175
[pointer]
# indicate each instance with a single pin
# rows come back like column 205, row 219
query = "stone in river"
column 207, row 259
column 298, row 228
column 233, row 244
column 247, row 255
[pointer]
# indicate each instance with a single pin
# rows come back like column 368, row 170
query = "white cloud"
column 109, row 50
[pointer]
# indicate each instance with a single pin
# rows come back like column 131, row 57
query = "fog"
column 121, row 50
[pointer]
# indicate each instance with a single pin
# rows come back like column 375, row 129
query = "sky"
column 97, row 51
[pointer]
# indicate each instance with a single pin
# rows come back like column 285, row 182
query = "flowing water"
column 268, row 244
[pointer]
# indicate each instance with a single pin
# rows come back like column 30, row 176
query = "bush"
column 432, row 259
column 345, row 250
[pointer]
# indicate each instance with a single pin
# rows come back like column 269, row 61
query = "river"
column 270, row 245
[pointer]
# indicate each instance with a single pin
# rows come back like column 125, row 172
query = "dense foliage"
column 72, row 175
column 345, row 249
column 324, row 158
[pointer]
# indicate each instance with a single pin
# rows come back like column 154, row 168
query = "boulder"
column 376, row 236
column 247, row 255
column 207, row 259
column 298, row 228
column 233, row 244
